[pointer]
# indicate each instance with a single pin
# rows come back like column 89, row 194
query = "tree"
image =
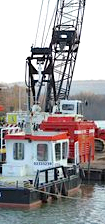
column 95, row 107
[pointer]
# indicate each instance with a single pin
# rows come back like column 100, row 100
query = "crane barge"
column 37, row 159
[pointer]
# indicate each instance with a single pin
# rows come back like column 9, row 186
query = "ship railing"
column 43, row 177
column 56, row 171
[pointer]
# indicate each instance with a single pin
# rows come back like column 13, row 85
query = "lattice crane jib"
column 58, row 60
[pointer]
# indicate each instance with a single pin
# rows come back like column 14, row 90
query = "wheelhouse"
column 25, row 154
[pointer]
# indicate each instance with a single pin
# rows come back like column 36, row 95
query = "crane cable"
column 49, row 25
column 38, row 22
column 45, row 21
column 26, row 82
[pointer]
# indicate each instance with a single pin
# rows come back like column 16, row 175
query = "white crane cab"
column 70, row 107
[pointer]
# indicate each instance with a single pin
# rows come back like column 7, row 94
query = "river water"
column 87, row 207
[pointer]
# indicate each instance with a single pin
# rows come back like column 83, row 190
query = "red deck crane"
column 56, row 68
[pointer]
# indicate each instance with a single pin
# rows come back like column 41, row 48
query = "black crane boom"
column 58, row 60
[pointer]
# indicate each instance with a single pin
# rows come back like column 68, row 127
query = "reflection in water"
column 88, row 207
column 87, row 191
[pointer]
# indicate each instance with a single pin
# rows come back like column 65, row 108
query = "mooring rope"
column 59, row 195
column 62, row 196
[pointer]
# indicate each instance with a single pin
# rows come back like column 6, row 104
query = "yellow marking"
column 12, row 118
column 3, row 150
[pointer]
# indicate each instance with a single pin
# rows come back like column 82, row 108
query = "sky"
column 18, row 25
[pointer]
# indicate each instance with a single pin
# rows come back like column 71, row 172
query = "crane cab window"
column 58, row 151
column 18, row 151
column 68, row 107
column 64, row 150
column 42, row 152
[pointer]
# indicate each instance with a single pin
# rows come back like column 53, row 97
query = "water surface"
column 88, row 207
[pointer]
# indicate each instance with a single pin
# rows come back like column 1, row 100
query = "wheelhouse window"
column 42, row 152
column 64, row 150
column 58, row 151
column 18, row 151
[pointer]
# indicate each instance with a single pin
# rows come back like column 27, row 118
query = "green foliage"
column 94, row 110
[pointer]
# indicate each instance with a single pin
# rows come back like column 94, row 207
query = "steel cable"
column 38, row 22
column 45, row 21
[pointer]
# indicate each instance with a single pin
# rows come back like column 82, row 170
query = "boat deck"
column 17, row 181
column 22, row 181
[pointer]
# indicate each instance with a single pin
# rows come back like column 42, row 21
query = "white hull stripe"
column 91, row 131
column 83, row 131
